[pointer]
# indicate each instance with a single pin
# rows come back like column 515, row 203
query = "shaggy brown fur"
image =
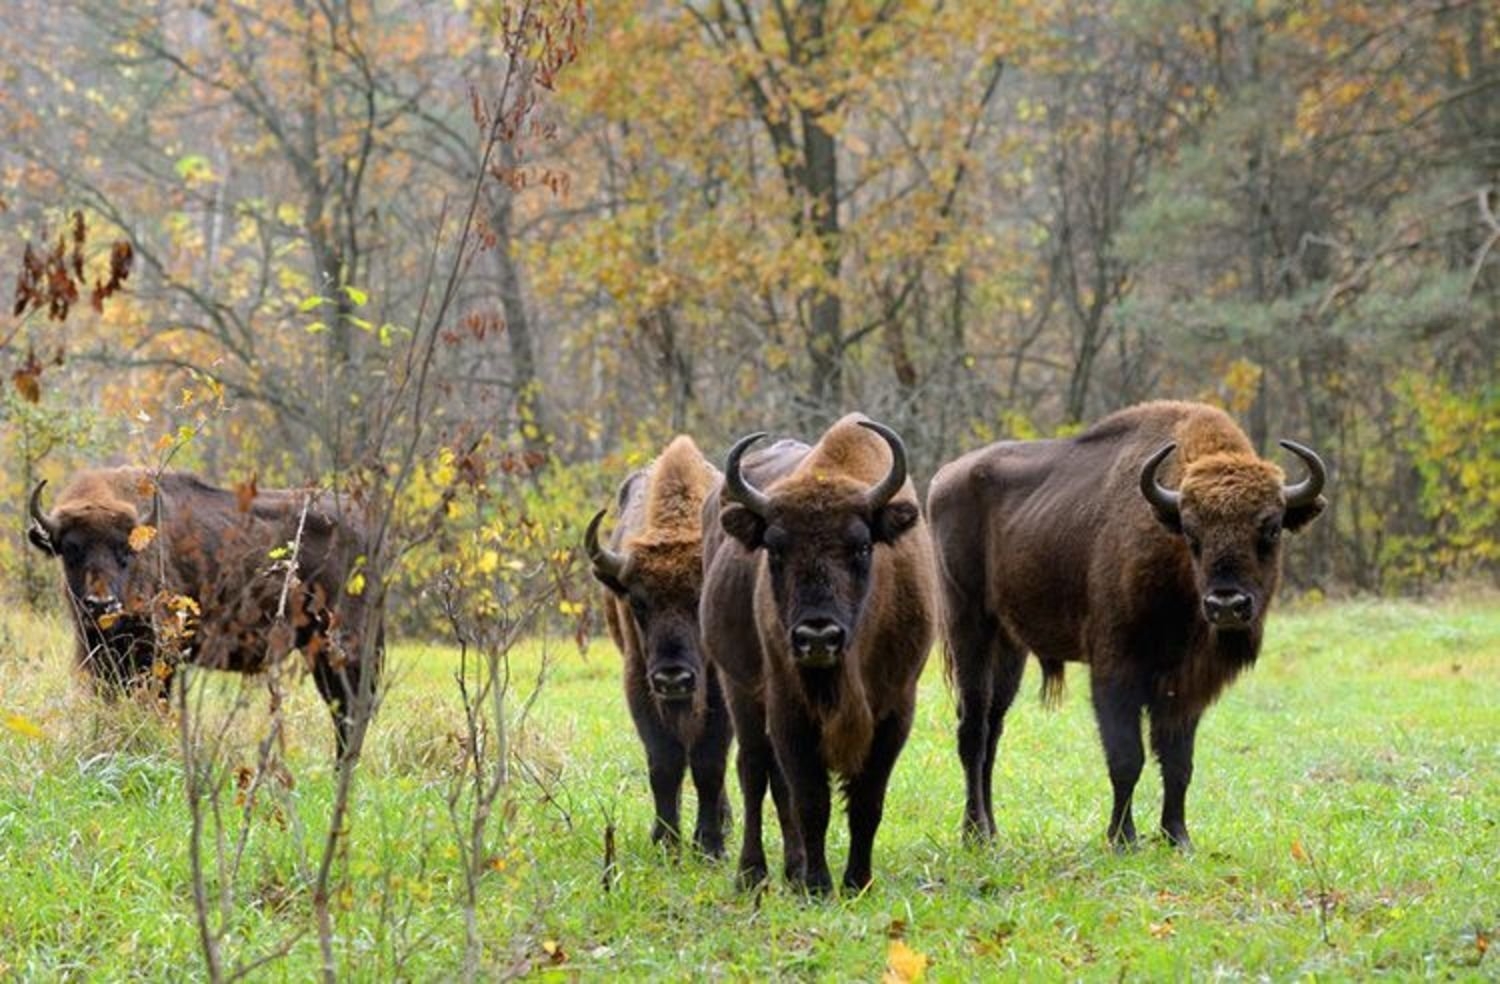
column 654, row 573
column 212, row 550
column 1051, row 547
column 819, row 614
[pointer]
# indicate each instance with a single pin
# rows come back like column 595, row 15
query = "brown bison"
column 819, row 610
column 653, row 569
column 164, row 568
column 1154, row 568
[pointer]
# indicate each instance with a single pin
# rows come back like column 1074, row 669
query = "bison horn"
column 1167, row 502
column 39, row 517
column 740, row 490
column 605, row 560
column 882, row 493
column 1307, row 490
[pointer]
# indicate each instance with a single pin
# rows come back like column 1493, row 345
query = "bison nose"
column 673, row 682
column 1227, row 608
column 817, row 642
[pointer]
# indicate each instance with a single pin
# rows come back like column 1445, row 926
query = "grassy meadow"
column 1345, row 811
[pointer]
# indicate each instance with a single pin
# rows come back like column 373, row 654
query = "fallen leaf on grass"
column 23, row 726
column 1162, row 929
column 903, row 965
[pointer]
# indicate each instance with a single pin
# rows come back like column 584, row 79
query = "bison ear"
column 893, row 519
column 41, row 540
column 742, row 524
column 1299, row 516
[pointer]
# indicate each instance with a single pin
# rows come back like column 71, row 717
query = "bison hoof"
column 978, row 832
column 751, row 876
column 1178, row 838
column 816, row 883
column 856, row 882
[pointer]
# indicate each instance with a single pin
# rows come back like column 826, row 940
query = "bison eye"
column 1194, row 544
column 1269, row 537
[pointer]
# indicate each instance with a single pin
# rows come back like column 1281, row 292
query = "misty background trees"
column 972, row 221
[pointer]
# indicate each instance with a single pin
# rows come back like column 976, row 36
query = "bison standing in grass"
column 1156, row 568
column 159, row 569
column 654, row 572
column 819, row 610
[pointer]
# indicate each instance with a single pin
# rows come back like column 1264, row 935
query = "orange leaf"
column 141, row 537
column 903, row 965
column 1298, row 852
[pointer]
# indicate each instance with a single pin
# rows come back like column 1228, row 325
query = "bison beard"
column 203, row 587
column 1079, row 550
column 818, row 611
column 653, row 570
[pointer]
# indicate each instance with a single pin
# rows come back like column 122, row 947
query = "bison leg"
column 1173, row 743
column 796, row 741
column 988, row 674
column 709, row 755
column 666, row 762
column 1117, row 708
column 754, row 764
column 339, row 688
column 866, row 796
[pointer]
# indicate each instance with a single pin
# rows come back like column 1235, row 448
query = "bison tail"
column 1054, row 683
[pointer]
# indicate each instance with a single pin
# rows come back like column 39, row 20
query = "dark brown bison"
column 168, row 568
column 1154, row 568
column 653, row 569
column 819, row 610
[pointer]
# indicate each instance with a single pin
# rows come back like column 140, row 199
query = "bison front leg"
column 866, row 797
column 1117, row 708
column 666, row 764
column 1173, row 743
column 754, row 764
column 797, row 744
column 708, row 758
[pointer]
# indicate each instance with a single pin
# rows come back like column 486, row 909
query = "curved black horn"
column 605, row 560
column 886, row 490
column 740, row 490
column 1167, row 502
column 1307, row 490
column 39, row 517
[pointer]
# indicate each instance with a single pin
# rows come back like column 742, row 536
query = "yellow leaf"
column 141, row 537
column 23, row 726
column 1162, row 929
column 357, row 583
column 903, row 965
column 570, row 607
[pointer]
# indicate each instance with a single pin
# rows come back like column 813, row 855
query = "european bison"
column 162, row 568
column 653, row 569
column 1154, row 568
column 819, row 610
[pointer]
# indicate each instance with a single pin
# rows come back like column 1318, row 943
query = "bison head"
column 92, row 537
column 658, row 582
column 1231, row 509
column 819, row 534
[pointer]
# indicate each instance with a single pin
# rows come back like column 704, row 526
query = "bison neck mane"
column 835, row 698
column 1212, row 662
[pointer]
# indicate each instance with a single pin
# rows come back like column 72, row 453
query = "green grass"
column 1349, row 786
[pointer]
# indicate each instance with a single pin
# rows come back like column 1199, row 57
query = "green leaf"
column 356, row 295
column 308, row 303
